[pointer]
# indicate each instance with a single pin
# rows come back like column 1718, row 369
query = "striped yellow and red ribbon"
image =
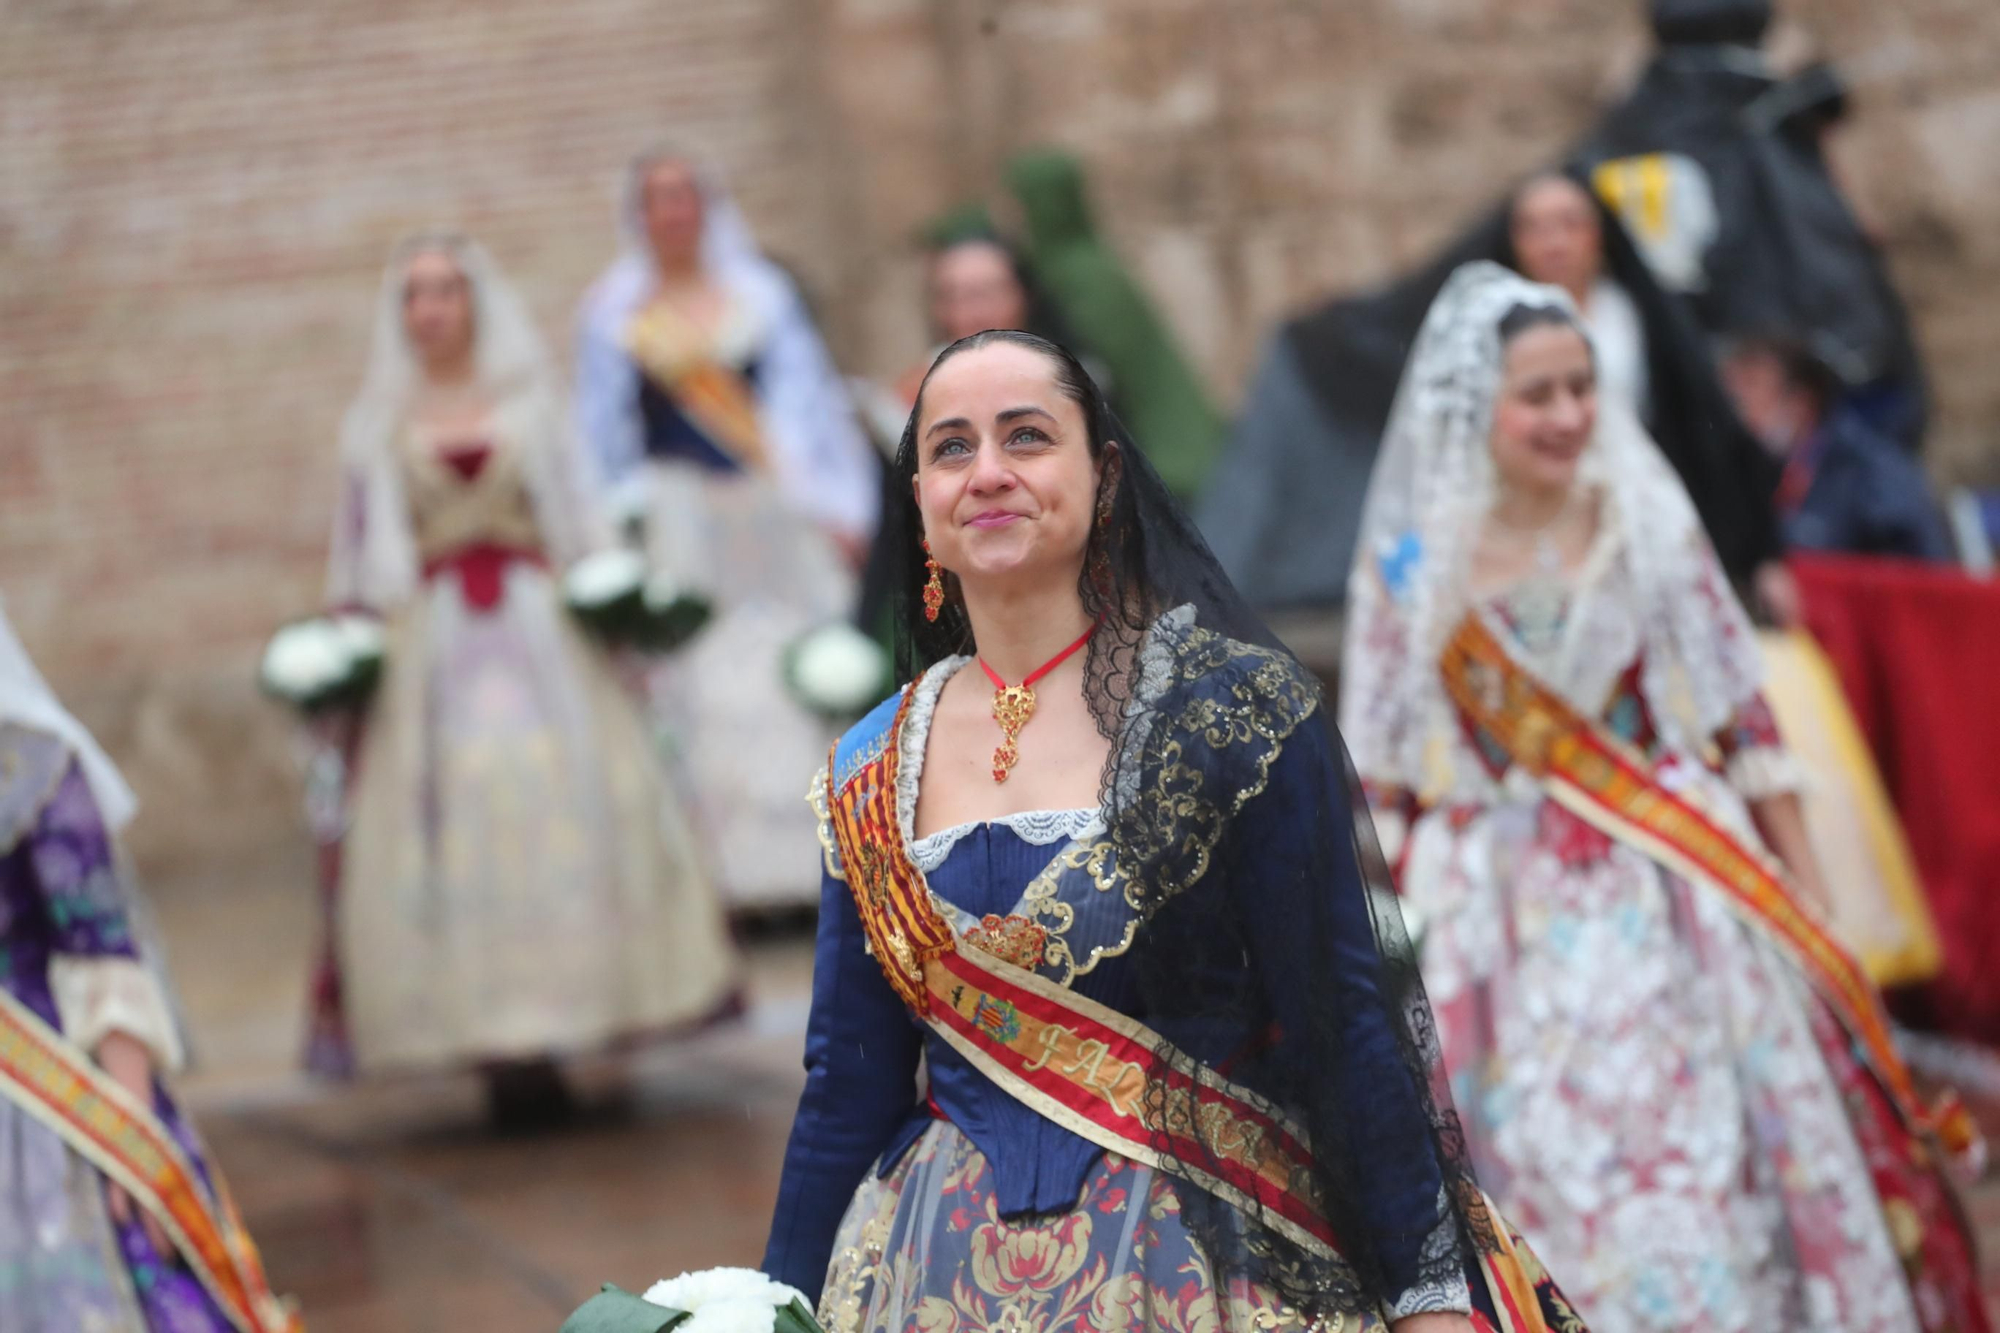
column 53, row 1082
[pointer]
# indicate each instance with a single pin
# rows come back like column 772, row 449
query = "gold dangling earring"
column 934, row 586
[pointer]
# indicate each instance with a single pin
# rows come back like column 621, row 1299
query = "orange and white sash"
column 674, row 353
column 1602, row 781
column 52, row 1081
column 1084, row 1065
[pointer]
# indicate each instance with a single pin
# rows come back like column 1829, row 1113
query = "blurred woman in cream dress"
column 517, row 881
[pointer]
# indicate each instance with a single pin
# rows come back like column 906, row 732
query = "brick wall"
column 195, row 198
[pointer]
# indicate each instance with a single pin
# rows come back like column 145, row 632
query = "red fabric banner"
column 1917, row 648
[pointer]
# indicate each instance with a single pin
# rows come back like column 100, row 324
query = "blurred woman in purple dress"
column 111, row 1218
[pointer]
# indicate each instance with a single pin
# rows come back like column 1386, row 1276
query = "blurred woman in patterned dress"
column 112, row 1217
column 1673, row 1079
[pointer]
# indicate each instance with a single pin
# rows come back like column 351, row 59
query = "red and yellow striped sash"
column 722, row 407
column 51, row 1080
column 1603, row 782
column 1087, row 1067
column 905, row 929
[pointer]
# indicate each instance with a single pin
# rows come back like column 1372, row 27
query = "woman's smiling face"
column 1547, row 410
column 1005, row 479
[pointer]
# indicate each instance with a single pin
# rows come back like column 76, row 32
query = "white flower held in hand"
column 362, row 636
column 662, row 591
column 838, row 669
column 604, row 577
column 732, row 1317
column 306, row 660
column 725, row 1300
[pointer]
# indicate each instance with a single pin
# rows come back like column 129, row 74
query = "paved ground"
column 391, row 1209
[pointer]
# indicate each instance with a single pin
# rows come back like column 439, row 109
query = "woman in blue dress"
column 716, row 417
column 1114, row 1023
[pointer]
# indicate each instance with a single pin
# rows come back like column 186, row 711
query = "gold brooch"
column 1011, row 939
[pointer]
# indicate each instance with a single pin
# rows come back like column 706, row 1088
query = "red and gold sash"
column 1603, row 782
column 51, row 1080
column 720, row 403
column 1082, row 1064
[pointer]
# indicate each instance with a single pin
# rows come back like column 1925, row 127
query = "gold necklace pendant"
column 1013, row 705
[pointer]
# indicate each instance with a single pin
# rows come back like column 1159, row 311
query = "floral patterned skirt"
column 1653, row 1092
column 925, row 1248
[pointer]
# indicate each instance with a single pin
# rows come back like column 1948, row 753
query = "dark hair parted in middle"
column 1116, row 550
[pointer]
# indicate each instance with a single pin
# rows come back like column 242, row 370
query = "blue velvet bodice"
column 1045, row 1164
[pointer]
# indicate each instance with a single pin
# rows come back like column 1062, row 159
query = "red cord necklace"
column 1013, row 705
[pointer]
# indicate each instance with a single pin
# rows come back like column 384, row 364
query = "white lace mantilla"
column 1412, row 585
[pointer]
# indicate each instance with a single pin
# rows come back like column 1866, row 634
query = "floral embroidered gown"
column 958, row 1208
column 68, row 953
column 1651, row 1090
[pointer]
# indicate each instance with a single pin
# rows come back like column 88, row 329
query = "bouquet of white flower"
column 837, row 671
column 610, row 593
column 716, row 1300
column 324, row 663
column 678, row 614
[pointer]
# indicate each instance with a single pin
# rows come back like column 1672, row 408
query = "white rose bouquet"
column 837, row 671
column 610, row 593
column 716, row 1300
column 677, row 613
column 324, row 664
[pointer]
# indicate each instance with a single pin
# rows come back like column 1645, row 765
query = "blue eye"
column 945, row 447
column 1027, row 433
